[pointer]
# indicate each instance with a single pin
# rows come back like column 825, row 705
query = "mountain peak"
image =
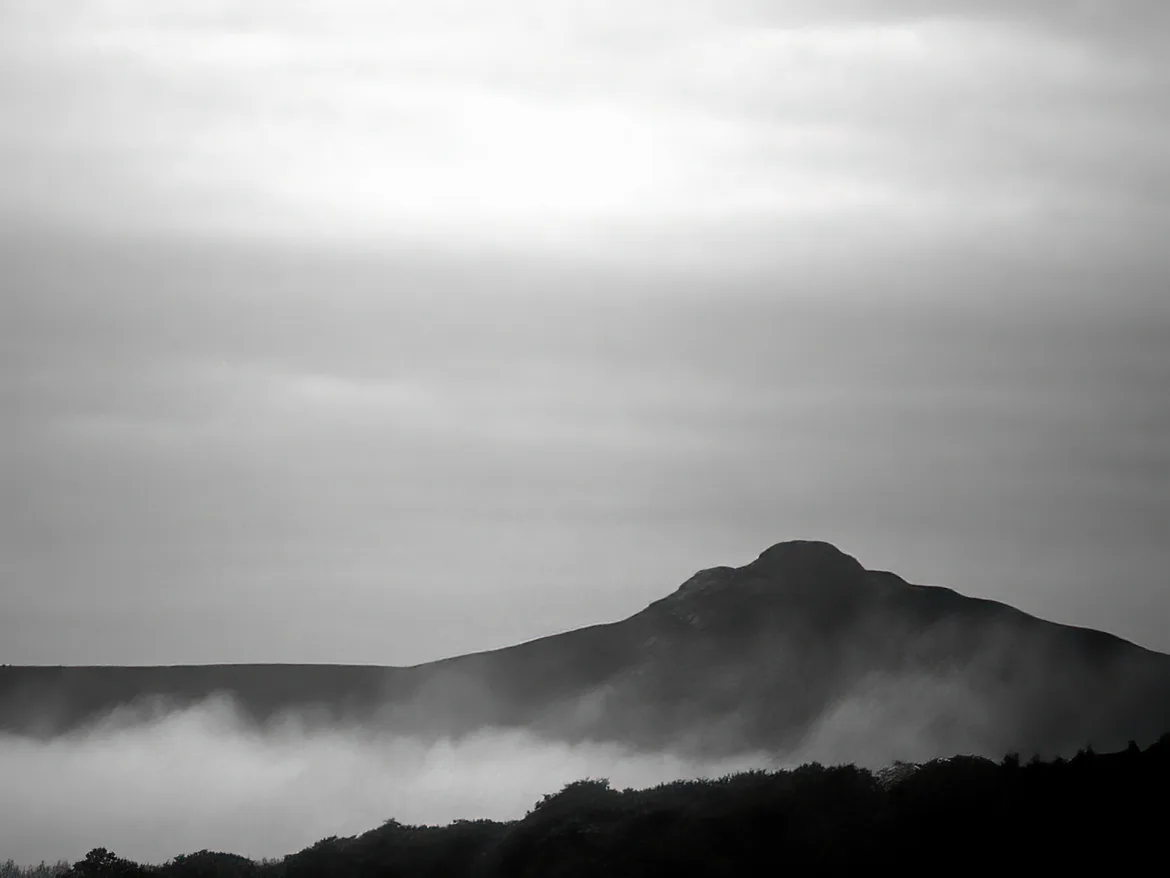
column 806, row 559
column 794, row 567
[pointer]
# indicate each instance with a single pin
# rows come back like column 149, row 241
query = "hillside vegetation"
column 963, row 815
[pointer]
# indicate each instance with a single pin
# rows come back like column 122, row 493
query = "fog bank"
column 203, row 778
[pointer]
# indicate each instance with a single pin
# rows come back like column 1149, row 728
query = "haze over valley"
column 802, row 655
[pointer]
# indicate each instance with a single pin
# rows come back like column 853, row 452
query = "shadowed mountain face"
column 801, row 652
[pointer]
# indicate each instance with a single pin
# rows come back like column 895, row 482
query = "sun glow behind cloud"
column 445, row 124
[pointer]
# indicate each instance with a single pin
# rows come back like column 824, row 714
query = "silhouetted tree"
column 101, row 862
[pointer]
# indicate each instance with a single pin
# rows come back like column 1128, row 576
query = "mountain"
column 802, row 653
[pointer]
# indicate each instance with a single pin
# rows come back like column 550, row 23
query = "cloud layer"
column 201, row 779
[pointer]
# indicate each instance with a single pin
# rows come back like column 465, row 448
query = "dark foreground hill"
column 802, row 651
column 1093, row 814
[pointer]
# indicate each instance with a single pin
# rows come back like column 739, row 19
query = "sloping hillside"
column 801, row 651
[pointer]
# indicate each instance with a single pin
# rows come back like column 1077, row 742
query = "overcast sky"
column 379, row 332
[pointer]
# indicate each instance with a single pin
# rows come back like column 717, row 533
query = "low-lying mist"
column 152, row 786
column 155, row 780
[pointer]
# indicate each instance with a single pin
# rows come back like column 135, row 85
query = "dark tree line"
column 1105, row 813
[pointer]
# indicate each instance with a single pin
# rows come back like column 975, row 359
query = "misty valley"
column 1104, row 812
column 799, row 711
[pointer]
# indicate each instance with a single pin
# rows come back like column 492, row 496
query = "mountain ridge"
column 773, row 655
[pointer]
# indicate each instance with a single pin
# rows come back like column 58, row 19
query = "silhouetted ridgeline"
column 803, row 651
column 961, row 815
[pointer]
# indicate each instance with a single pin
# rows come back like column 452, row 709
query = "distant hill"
column 801, row 649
